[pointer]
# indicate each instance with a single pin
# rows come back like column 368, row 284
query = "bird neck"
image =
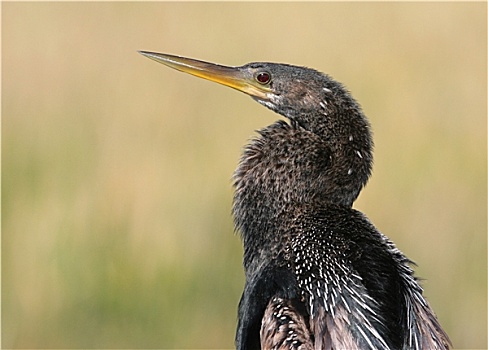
column 290, row 167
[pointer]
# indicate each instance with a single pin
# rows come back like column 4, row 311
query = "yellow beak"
column 234, row 77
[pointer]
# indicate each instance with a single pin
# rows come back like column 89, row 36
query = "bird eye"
column 263, row 77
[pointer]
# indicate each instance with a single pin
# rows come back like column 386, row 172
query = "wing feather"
column 284, row 327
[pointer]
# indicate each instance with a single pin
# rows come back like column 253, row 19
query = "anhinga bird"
column 319, row 275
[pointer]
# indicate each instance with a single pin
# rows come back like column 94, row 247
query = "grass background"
column 116, row 189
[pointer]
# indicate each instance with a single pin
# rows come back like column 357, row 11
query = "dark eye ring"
column 263, row 77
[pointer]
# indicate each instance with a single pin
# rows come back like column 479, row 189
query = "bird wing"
column 348, row 318
column 342, row 312
column 332, row 312
column 424, row 330
column 422, row 326
column 284, row 327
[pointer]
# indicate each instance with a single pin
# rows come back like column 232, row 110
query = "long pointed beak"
column 234, row 77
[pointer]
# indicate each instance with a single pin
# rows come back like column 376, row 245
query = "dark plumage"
column 319, row 275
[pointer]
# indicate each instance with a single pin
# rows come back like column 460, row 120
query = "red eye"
column 263, row 77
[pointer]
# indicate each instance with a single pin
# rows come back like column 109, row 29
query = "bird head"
column 301, row 94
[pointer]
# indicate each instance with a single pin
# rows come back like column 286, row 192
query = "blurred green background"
column 116, row 181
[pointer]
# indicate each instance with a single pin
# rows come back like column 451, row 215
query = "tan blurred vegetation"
column 116, row 180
